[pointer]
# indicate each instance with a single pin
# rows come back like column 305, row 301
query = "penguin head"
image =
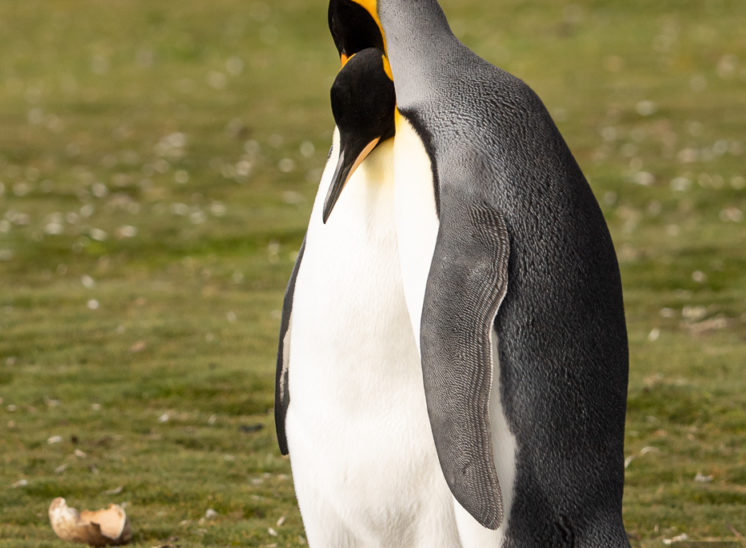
column 355, row 26
column 363, row 104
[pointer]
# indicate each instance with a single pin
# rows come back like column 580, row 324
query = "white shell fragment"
column 109, row 527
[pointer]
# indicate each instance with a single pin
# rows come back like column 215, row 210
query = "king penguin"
column 513, row 294
column 350, row 405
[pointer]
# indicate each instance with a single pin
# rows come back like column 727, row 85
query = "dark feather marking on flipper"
column 282, row 391
column 466, row 284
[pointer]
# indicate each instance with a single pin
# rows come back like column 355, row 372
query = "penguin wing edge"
column 465, row 286
column 282, row 391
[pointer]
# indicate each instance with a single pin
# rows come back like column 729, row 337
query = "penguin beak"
column 351, row 155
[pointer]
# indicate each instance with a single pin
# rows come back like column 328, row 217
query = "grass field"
column 158, row 162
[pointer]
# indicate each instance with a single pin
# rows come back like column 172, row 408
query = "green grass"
column 158, row 163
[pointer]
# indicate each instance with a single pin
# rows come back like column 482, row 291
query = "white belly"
column 363, row 459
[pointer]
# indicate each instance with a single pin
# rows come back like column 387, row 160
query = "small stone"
column 234, row 65
column 181, row 176
column 291, row 197
column 693, row 313
column 646, row 108
column 667, row 312
column 644, row 178
column 286, row 165
column 98, row 234
column 126, row 231
column 678, row 538
column 307, row 149
column 53, row 229
column 699, row 276
column 138, row 346
column 731, row 215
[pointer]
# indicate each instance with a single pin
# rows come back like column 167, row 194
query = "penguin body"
column 354, row 417
column 522, row 295
column 357, row 427
column 509, row 293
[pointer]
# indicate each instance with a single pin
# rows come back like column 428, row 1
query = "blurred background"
column 158, row 163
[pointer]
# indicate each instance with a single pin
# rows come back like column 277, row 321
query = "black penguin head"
column 353, row 26
column 363, row 103
column 363, row 98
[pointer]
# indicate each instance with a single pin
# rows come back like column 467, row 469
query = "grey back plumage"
column 562, row 336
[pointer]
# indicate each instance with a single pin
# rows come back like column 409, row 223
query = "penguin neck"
column 418, row 42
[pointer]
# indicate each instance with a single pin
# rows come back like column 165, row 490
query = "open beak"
column 351, row 155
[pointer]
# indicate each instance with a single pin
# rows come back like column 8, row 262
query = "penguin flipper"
column 465, row 286
column 282, row 392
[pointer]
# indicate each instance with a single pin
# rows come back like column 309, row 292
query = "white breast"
column 363, row 459
column 416, row 216
column 348, row 295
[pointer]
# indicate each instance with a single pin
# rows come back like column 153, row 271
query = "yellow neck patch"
column 387, row 68
column 397, row 118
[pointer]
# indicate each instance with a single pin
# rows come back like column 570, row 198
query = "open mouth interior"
column 353, row 28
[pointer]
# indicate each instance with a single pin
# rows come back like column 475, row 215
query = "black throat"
column 353, row 28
